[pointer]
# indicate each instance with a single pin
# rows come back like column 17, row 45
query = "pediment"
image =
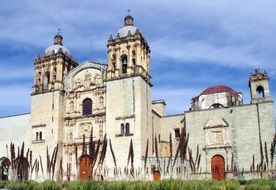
column 216, row 122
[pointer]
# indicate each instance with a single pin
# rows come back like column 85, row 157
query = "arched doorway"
column 218, row 167
column 86, row 169
column 4, row 168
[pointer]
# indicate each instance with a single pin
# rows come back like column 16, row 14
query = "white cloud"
column 231, row 33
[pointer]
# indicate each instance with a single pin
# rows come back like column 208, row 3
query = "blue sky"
column 194, row 44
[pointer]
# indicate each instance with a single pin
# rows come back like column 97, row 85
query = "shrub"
column 22, row 185
column 2, row 184
column 50, row 185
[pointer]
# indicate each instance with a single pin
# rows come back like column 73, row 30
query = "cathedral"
column 97, row 120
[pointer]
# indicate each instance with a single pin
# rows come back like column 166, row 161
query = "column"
column 118, row 64
column 129, row 60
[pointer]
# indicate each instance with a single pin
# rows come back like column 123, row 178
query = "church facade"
column 102, row 122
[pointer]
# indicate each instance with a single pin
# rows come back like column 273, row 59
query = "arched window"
column 124, row 64
column 216, row 105
column 113, row 66
column 113, row 60
column 133, row 62
column 127, row 129
column 46, row 80
column 87, row 107
column 54, row 74
column 122, row 128
column 260, row 92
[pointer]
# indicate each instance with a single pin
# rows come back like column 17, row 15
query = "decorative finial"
column 58, row 38
column 128, row 19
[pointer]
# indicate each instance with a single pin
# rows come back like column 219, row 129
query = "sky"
column 194, row 44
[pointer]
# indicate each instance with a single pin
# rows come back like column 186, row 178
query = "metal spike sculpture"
column 131, row 158
column 156, row 153
column 146, row 154
column 113, row 154
column 170, row 158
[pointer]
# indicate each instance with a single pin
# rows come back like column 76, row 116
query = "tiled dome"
column 219, row 89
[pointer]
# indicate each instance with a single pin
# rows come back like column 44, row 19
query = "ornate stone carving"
column 77, row 83
column 71, row 106
column 101, row 102
column 89, row 81
column 85, row 129
column 216, row 137
column 70, row 137
column 97, row 79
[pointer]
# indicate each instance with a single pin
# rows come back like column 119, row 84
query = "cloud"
column 199, row 52
column 222, row 39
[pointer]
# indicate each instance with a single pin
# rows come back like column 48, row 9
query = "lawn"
column 140, row 185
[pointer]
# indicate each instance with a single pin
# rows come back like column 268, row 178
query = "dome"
column 219, row 89
column 128, row 27
column 56, row 48
column 125, row 29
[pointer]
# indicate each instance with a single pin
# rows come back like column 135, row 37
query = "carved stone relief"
column 85, row 129
column 70, row 137
column 88, row 81
column 101, row 102
column 216, row 137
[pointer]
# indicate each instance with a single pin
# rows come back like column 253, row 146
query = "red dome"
column 219, row 89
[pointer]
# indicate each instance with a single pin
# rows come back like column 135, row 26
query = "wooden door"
column 218, row 167
column 85, row 167
column 156, row 175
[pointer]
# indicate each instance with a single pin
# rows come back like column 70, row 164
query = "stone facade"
column 69, row 101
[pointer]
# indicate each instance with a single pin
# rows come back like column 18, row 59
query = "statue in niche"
column 70, row 137
column 100, row 134
column 101, row 102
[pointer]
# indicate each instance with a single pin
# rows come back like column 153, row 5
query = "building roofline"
column 157, row 114
column 231, row 107
column 3, row 117
column 159, row 101
column 173, row 115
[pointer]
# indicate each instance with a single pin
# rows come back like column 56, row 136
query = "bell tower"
column 128, row 53
column 47, row 101
column 259, row 86
column 51, row 67
column 128, row 94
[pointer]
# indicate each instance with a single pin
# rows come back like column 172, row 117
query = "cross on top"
column 128, row 11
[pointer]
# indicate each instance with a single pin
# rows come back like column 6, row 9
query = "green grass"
column 141, row 185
